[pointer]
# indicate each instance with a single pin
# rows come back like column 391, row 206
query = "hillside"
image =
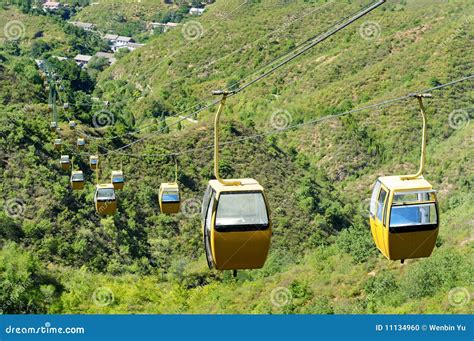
column 318, row 177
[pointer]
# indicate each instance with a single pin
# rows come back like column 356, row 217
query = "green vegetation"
column 58, row 256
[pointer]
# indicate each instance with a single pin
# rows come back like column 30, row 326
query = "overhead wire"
column 290, row 56
column 314, row 121
column 204, row 100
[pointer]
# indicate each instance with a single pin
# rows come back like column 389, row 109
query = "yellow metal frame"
column 406, row 245
column 423, row 140
column 216, row 144
column 169, row 207
column 239, row 249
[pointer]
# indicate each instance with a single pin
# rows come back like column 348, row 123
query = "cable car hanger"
column 216, row 140
column 404, row 212
column 419, row 174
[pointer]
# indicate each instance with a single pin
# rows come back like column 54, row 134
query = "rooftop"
column 396, row 183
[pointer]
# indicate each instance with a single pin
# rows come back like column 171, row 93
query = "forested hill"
column 59, row 256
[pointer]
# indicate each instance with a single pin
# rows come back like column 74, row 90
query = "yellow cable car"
column 57, row 144
column 236, row 219
column 404, row 211
column 169, row 198
column 65, row 162
column 72, row 125
column 53, row 126
column 81, row 143
column 94, row 161
column 105, row 200
column 77, row 180
column 117, row 179
column 168, row 195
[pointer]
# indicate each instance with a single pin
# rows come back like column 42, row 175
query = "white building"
column 163, row 27
column 84, row 25
column 82, row 60
column 196, row 11
column 128, row 46
column 52, row 5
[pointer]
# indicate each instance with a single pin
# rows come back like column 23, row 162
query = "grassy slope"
column 125, row 16
column 32, row 26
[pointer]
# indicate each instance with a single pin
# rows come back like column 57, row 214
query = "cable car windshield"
column 413, row 197
column 242, row 209
column 77, row 177
column 118, row 179
column 106, row 194
column 94, row 161
column 414, row 209
column 170, row 196
column 412, row 215
column 64, row 159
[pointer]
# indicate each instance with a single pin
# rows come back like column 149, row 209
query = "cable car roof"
column 169, row 185
column 117, row 173
column 104, row 186
column 247, row 185
column 396, row 183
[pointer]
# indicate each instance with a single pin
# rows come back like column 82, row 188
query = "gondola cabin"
column 404, row 217
column 53, row 126
column 58, row 144
column 65, row 162
column 93, row 161
column 105, row 199
column 169, row 198
column 118, row 180
column 236, row 224
column 77, row 180
column 72, row 125
column 81, row 143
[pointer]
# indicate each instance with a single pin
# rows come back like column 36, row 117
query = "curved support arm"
column 97, row 170
column 216, row 144
column 175, row 170
column 423, row 141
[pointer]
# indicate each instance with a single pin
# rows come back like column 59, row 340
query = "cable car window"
column 64, row 159
column 106, row 194
column 382, row 196
column 373, row 200
column 118, row 179
column 410, row 215
column 77, row 177
column 413, row 197
column 241, row 209
column 170, row 196
column 209, row 212
column 205, row 203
